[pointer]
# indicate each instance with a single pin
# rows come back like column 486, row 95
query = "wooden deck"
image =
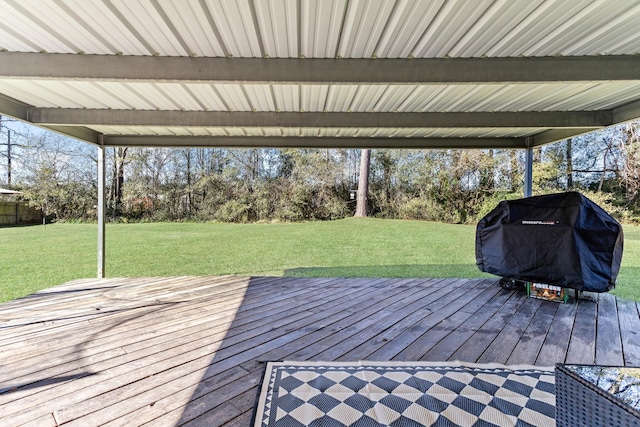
column 190, row 350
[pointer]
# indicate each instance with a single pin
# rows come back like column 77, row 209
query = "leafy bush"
column 491, row 201
column 234, row 211
column 421, row 209
column 607, row 202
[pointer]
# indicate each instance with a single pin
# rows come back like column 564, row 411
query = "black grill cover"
column 558, row 239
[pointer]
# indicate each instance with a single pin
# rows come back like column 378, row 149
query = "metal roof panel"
column 363, row 26
column 278, row 24
column 313, row 97
column 190, row 23
column 327, row 28
column 320, row 27
column 147, row 22
column 260, row 97
column 336, row 98
column 233, row 96
column 405, row 26
column 287, row 97
column 451, row 23
column 207, row 96
column 339, row 97
column 323, row 132
column 496, row 21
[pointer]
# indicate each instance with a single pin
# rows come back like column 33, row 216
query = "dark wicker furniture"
column 589, row 395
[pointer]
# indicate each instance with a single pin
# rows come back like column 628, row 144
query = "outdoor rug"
column 407, row 394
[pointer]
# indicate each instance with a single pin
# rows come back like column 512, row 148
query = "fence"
column 16, row 213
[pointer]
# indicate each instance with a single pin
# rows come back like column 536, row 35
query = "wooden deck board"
column 190, row 350
column 556, row 341
column 250, row 341
column 582, row 349
column 608, row 338
column 456, row 338
column 528, row 346
column 445, row 322
column 262, row 338
column 630, row 331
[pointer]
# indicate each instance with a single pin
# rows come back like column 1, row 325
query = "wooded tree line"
column 245, row 185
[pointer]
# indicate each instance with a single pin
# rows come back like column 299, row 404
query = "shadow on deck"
column 190, row 350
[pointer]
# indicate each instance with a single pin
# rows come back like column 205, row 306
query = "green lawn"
column 33, row 258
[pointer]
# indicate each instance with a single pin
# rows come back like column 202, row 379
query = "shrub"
column 421, row 209
column 234, row 211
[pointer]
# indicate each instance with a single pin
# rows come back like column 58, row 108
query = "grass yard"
column 34, row 258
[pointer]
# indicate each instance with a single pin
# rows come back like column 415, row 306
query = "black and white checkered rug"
column 407, row 394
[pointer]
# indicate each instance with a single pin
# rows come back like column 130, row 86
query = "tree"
column 116, row 190
column 8, row 153
column 363, row 184
column 307, row 184
column 381, row 183
column 569, row 164
column 61, row 178
column 630, row 174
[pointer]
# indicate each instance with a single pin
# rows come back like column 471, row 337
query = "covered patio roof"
column 282, row 73
column 311, row 73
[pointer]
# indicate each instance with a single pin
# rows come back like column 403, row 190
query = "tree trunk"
column 514, row 171
column 537, row 155
column 120, row 163
column 569, row 164
column 363, row 183
column 9, row 158
column 114, row 173
column 604, row 169
column 117, row 179
column 189, row 182
column 488, row 172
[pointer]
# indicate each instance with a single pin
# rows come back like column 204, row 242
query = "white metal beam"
column 11, row 107
column 626, row 113
column 77, row 132
column 18, row 110
column 555, row 135
column 319, row 70
column 528, row 119
column 311, row 142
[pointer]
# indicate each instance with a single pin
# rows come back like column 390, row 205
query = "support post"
column 101, row 206
column 528, row 169
column 9, row 159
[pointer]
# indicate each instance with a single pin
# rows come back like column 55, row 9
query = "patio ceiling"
column 326, row 73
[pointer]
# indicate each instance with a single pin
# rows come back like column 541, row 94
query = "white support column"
column 101, row 207
column 528, row 170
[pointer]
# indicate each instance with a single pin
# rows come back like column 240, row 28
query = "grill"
column 563, row 240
